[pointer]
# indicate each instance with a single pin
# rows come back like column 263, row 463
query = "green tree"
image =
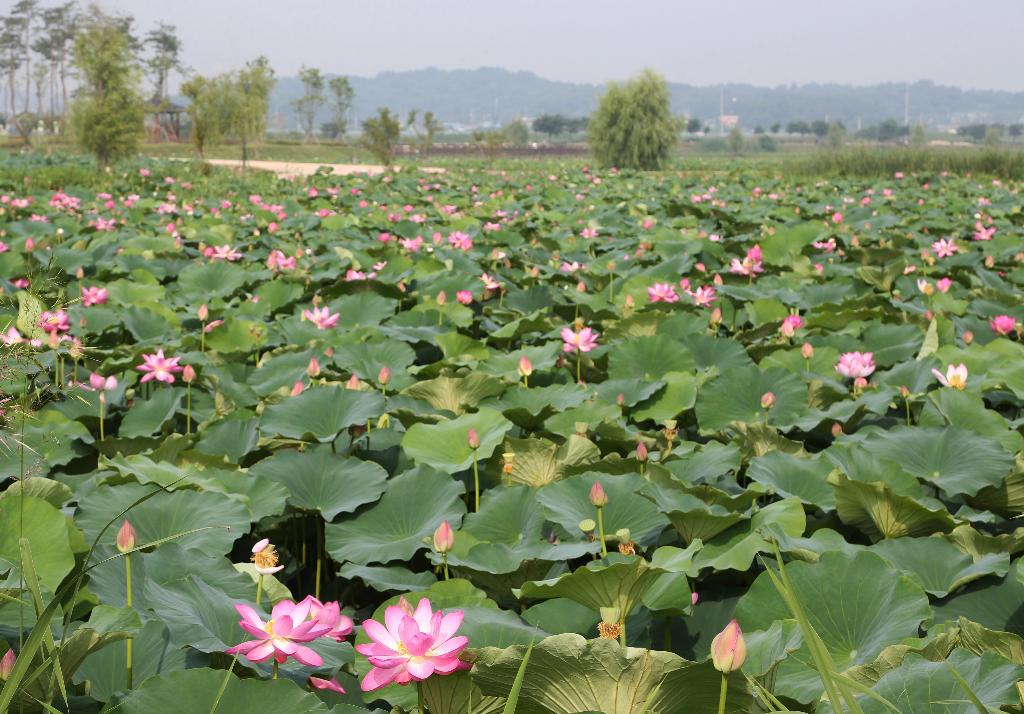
column 247, row 95
column 993, row 135
column 694, row 125
column 633, row 126
column 836, row 135
column 380, row 135
column 431, row 128
column 918, row 138
column 108, row 112
column 798, row 127
column 308, row 105
column 340, row 96
column 165, row 58
column 208, row 110
column 735, row 140
column 775, row 128
column 819, row 127
column 550, row 124
column 517, row 133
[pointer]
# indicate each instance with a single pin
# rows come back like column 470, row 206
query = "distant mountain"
column 492, row 95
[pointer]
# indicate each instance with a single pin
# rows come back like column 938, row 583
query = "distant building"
column 728, row 121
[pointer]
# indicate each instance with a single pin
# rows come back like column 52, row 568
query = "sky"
column 971, row 45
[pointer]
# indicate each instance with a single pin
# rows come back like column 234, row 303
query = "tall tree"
column 60, row 23
column 108, row 111
column 13, row 57
column 341, row 96
column 633, row 126
column 208, row 109
column 26, row 11
column 248, row 97
column 165, row 56
column 381, row 134
column 308, row 105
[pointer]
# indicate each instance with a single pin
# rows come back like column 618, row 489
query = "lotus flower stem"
column 188, row 408
column 476, row 483
column 600, row 531
column 579, row 358
column 419, row 698
column 259, row 589
column 318, row 530
column 102, row 404
column 444, row 560
column 622, row 632
column 722, row 693
column 276, row 666
column 906, row 403
column 128, row 601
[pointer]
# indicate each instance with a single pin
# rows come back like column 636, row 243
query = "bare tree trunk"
column 63, row 85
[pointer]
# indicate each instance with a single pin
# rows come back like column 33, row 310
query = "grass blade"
column 517, row 684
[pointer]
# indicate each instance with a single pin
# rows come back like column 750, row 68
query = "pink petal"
column 450, row 624
column 308, row 657
column 260, row 652
column 420, row 668
column 376, row 632
column 377, row 678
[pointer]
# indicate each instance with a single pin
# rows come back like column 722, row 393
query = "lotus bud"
column 767, row 400
column 188, row 374
column 990, row 261
column 620, row 399
column 442, row 298
column 587, row 525
column 444, row 538
column 297, row 388
column 581, row 287
column 384, row 376
column 716, row 317
column 384, row 421
column 860, row 383
column 80, row 273
column 968, row 337
column 353, row 382
column 904, row 391
column 525, row 366
column 473, row 439
column 597, row 495
column 96, row 381
column 717, row 280
column 837, row 429
column 694, row 598
column 641, row 452
column 629, row 301
column 610, row 625
column 203, row 312
column 313, row 370
column 729, row 649
column 807, row 351
column 7, row 665
column 125, row 538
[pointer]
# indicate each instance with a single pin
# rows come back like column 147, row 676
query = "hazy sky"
column 971, row 44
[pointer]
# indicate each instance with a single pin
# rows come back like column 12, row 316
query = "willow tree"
column 108, row 113
column 633, row 126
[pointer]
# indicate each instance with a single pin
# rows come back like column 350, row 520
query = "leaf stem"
column 128, row 601
column 476, row 483
column 600, row 531
column 722, row 692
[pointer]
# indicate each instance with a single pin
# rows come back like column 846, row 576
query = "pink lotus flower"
column 93, row 296
column 489, row 282
column 582, row 341
column 264, row 556
column 703, row 296
column 102, row 384
column 278, row 261
column 281, row 636
column 589, row 233
column 329, row 615
column 945, row 247
column 983, row 233
column 222, row 252
column 321, row 317
column 856, row 365
column 662, row 292
column 943, row 285
column 955, row 376
column 411, row 646
column 750, row 265
column 790, row 325
column 158, row 367
column 328, row 684
column 729, row 649
column 55, row 321
column 1003, row 324
column 460, row 240
column 464, row 297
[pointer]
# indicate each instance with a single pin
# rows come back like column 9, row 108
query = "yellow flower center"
column 266, row 558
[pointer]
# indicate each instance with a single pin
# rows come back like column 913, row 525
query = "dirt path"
column 290, row 168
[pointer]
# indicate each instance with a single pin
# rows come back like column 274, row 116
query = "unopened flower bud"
column 641, row 452
column 525, row 366
column 126, row 538
column 473, row 438
column 807, row 350
column 442, row 299
column 968, row 337
column 860, row 383
column 313, row 370
column 904, row 391
column 729, row 649
column 597, row 495
column 188, row 374
column 716, row 317
column 353, row 382
column 444, row 538
column 384, row 375
column 203, row 312
column 767, row 400
column 297, row 388
column 837, row 429
column 7, row 665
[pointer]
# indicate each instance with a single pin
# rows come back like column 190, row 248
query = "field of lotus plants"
column 544, row 441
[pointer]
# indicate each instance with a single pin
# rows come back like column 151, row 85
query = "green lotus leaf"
column 857, row 604
column 153, row 654
column 567, row 502
column 196, row 690
column 538, row 462
column 648, row 358
column 413, row 506
column 567, row 674
column 47, row 533
column 792, row 476
column 319, row 480
column 389, row 578
column 736, row 548
column 735, row 396
column 618, row 581
column 937, row 565
column 321, row 414
column 880, row 513
column 49, row 438
column 445, row 446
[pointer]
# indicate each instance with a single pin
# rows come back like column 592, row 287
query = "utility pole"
column 721, row 111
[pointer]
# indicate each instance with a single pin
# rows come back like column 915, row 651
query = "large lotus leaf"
column 49, row 440
column 920, row 686
column 721, row 353
column 196, row 690
column 202, row 281
column 445, row 446
column 954, row 459
column 617, row 581
column 937, row 565
column 45, row 529
column 149, row 415
column 701, row 521
column 857, row 604
column 967, row 410
column 45, row 489
column 319, row 480
column 388, row 578
column 992, row 602
column 281, row 371
column 736, row 548
column 1006, row 499
column 560, row 615
column 736, row 396
column 413, row 506
column 788, row 475
column 153, row 654
column 165, row 514
column 707, row 463
column 237, row 336
column 321, row 413
column 461, row 349
column 648, row 358
column 365, row 360
column 518, row 402
column 880, row 513
column 567, row 502
column 456, row 693
column 454, row 394
column 679, row 395
column 232, row 438
column 507, row 515
column 567, row 674
column 538, row 462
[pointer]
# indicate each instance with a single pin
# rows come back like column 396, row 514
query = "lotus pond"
column 485, row 442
